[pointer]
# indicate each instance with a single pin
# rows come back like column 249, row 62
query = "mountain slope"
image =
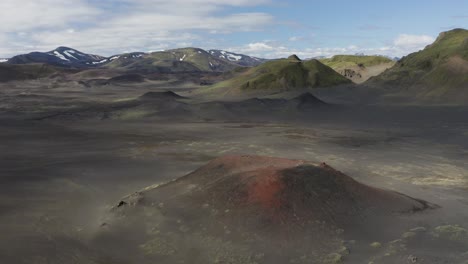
column 170, row 61
column 437, row 74
column 9, row 72
column 239, row 59
column 278, row 76
column 62, row 56
column 177, row 60
column 358, row 68
column 121, row 60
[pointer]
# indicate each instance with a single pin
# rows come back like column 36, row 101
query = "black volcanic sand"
column 62, row 174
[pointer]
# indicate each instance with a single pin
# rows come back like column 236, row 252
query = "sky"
column 262, row 28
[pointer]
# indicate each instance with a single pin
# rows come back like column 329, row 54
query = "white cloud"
column 25, row 15
column 111, row 26
column 296, row 38
column 273, row 50
column 259, row 47
column 406, row 41
column 402, row 45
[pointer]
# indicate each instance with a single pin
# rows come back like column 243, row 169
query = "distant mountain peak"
column 181, row 59
column 294, row 57
column 449, row 34
column 63, row 48
column 240, row 59
column 61, row 56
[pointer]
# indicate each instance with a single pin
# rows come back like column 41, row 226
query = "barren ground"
column 59, row 177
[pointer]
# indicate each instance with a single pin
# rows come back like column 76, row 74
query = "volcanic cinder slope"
column 239, row 206
column 171, row 106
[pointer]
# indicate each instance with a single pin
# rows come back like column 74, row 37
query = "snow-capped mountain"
column 184, row 59
column 121, row 58
column 239, row 59
column 62, row 56
column 3, row 60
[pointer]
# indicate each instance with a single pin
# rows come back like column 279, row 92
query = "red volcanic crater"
column 266, row 191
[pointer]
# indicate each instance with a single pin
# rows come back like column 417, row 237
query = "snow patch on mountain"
column 240, row 59
column 233, row 57
column 100, row 62
column 68, row 53
column 228, row 55
column 60, row 56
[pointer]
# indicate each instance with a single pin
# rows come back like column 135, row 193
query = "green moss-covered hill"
column 343, row 61
column 358, row 68
column 438, row 74
column 280, row 75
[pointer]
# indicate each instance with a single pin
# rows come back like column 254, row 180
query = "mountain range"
column 61, row 56
column 437, row 74
column 175, row 60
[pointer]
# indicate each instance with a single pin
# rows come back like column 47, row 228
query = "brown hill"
column 271, row 193
column 358, row 68
column 237, row 206
column 282, row 191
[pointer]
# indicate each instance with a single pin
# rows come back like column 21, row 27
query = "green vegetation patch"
column 451, row 232
column 283, row 74
column 435, row 71
column 345, row 61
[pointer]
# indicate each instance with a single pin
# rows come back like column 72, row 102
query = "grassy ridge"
column 439, row 72
column 454, row 42
column 282, row 74
column 345, row 61
column 426, row 64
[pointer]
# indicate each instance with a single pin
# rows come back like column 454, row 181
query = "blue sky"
column 264, row 28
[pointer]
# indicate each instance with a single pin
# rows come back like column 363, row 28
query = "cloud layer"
column 401, row 46
column 108, row 27
column 120, row 25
